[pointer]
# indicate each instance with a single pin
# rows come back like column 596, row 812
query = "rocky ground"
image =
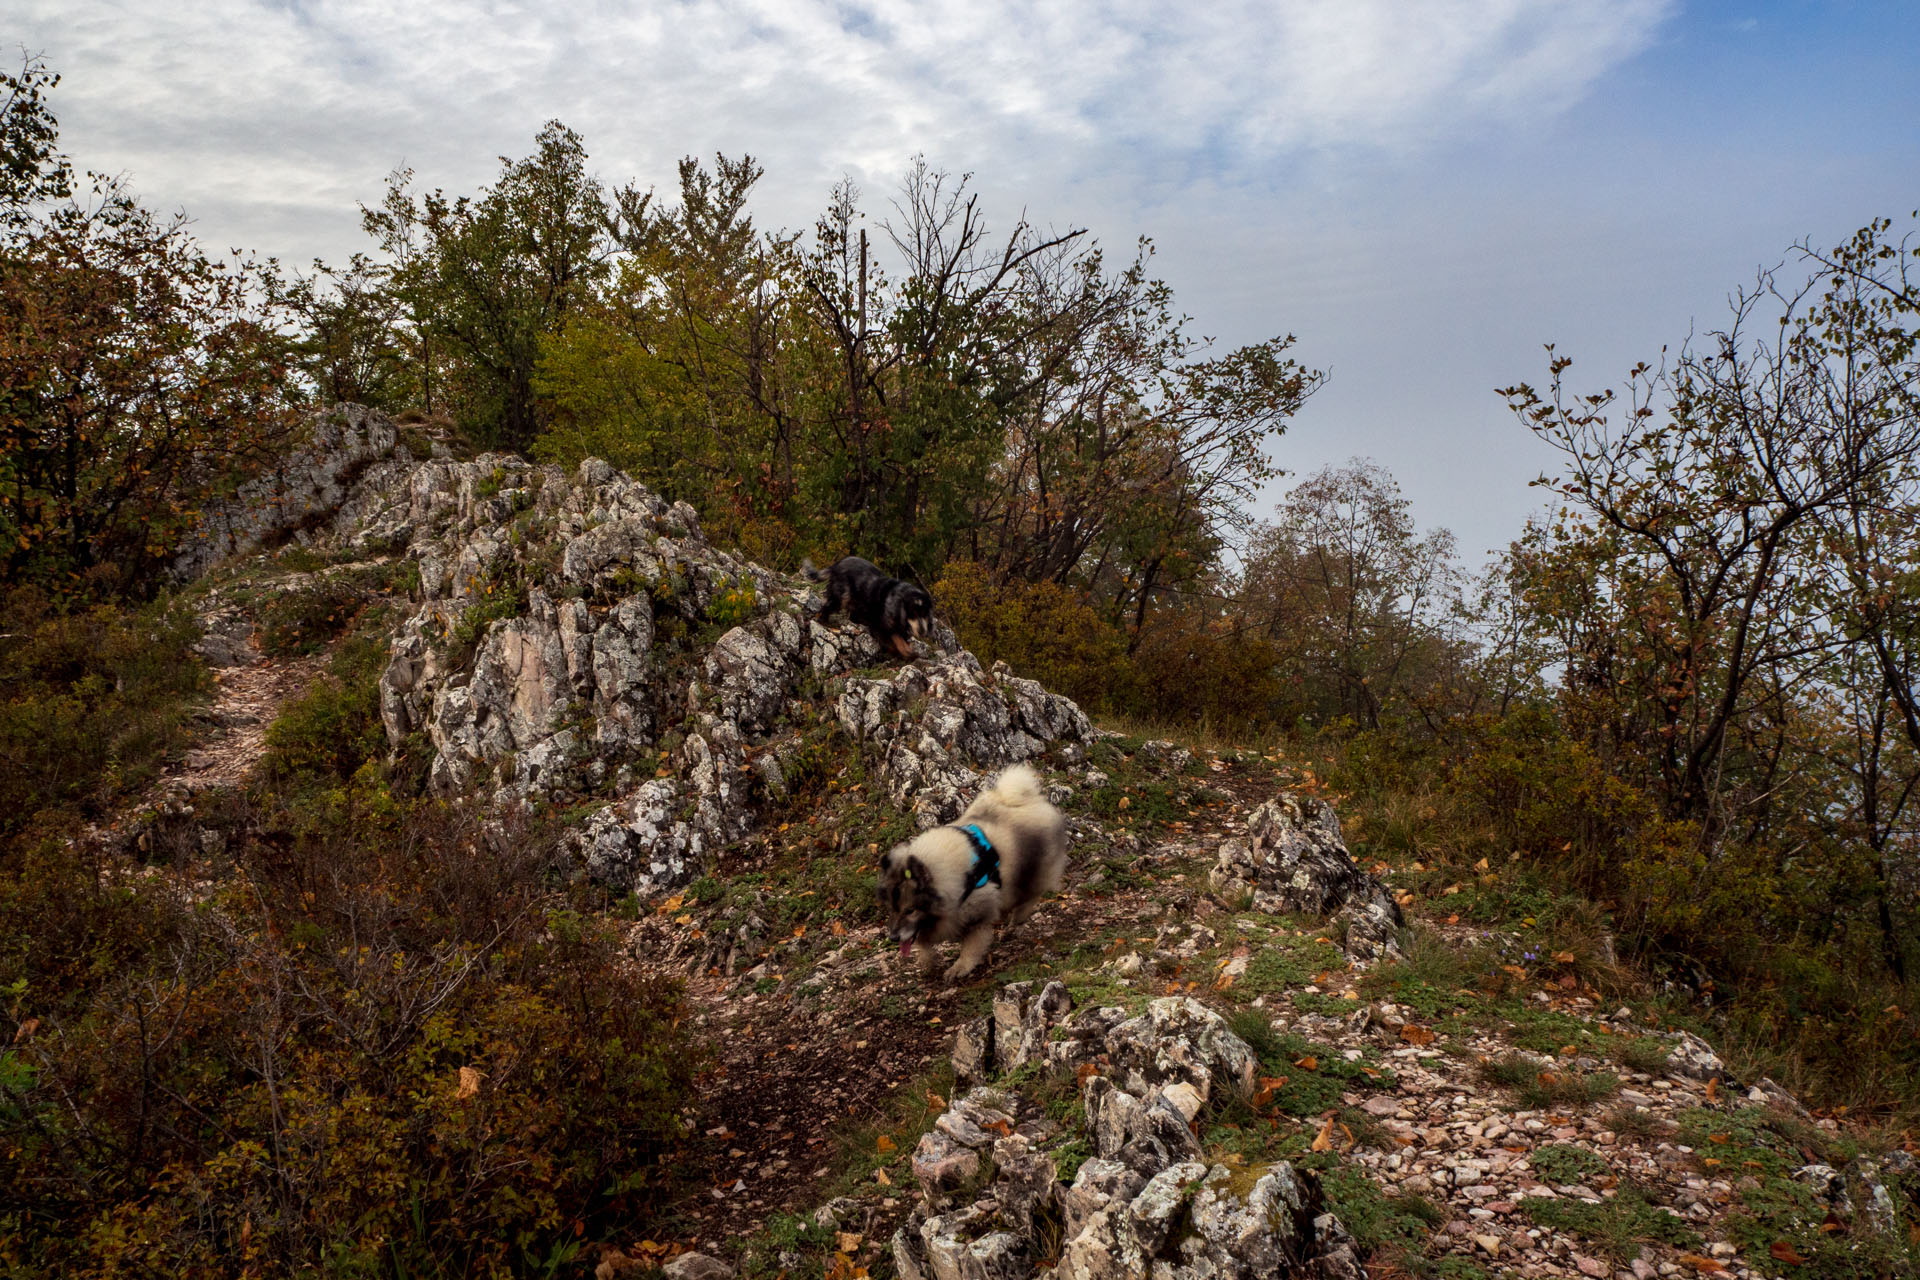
column 1229, row 1048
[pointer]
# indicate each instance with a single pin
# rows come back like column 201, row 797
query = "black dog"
column 887, row 607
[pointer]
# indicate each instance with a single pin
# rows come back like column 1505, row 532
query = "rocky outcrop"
column 577, row 643
column 943, row 724
column 1144, row 1201
column 301, row 493
column 1293, row 859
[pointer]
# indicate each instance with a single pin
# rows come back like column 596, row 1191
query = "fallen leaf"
column 1699, row 1263
column 839, row 930
column 25, row 1031
column 880, row 1176
column 1417, row 1035
column 1720, row 1138
column 1308, row 1063
column 1713, row 1089
column 1515, row 970
column 672, row 904
column 847, row 1241
column 1481, row 865
column 884, row 1144
column 469, row 1083
column 935, row 1101
column 1324, row 1142
column 1783, row 1251
column 1564, row 957
column 1085, row 1072
column 1268, row 1084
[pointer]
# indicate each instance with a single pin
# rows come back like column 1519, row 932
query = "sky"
column 1423, row 192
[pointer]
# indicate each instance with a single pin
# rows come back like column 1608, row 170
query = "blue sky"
column 1424, row 191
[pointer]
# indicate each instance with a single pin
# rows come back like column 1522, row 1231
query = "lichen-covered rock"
column 309, row 482
column 1293, row 859
column 1692, row 1056
column 1146, row 1203
column 1180, row 1040
column 945, row 724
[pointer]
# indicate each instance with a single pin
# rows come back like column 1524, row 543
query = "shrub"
column 1042, row 630
column 95, row 701
column 403, row 1055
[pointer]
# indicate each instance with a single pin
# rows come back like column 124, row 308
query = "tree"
column 489, row 279
column 137, row 376
column 1353, row 597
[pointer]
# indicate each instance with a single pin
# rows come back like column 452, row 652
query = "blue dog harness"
column 986, row 860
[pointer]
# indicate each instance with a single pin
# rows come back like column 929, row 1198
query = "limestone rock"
column 1293, row 859
column 695, row 1266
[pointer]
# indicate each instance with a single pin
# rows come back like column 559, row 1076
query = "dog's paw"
column 960, row 970
column 928, row 961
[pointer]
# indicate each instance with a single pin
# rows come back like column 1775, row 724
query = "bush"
column 1042, row 630
column 407, row 1054
column 1189, row 667
column 96, row 699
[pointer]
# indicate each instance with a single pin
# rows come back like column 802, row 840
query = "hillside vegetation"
column 434, row 841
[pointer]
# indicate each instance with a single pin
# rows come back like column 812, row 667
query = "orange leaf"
column 1713, row 1091
column 1699, row 1263
column 1417, row 1035
column 884, row 1144
column 1308, row 1063
column 1783, row 1251
column 935, row 1101
column 1325, row 1141
column 1085, row 1072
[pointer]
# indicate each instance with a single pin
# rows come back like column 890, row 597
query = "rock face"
column 1143, row 1202
column 307, row 487
column 1293, row 859
column 579, row 644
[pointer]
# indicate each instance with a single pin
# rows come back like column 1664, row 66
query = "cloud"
column 269, row 113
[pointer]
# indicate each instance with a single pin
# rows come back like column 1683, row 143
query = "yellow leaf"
column 1480, row 865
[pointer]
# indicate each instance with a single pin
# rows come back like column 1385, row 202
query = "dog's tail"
column 1017, row 787
column 812, row 574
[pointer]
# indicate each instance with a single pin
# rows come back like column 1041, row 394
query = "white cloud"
column 272, row 117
